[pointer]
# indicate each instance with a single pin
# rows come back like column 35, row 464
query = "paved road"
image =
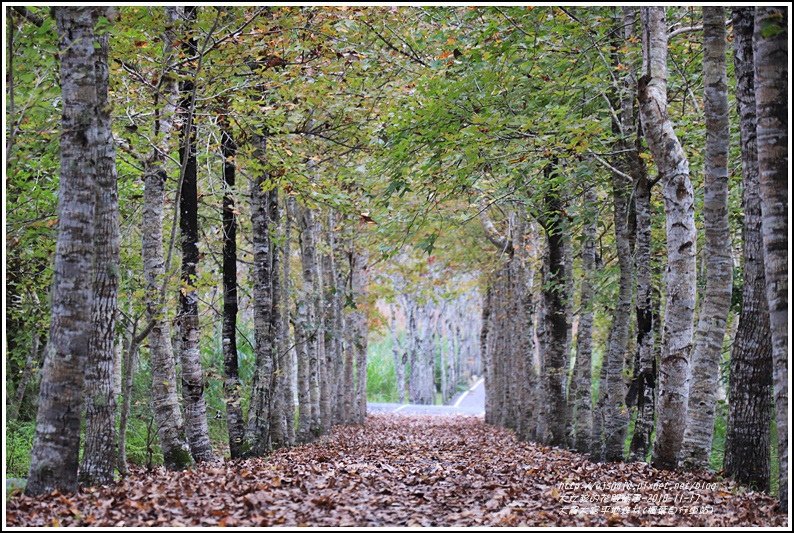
column 469, row 403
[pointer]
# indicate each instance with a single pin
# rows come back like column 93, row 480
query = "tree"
column 770, row 55
column 266, row 319
column 165, row 402
column 196, row 428
column 554, row 304
column 231, row 385
column 99, row 454
column 747, row 439
column 681, row 241
column 53, row 462
column 716, row 303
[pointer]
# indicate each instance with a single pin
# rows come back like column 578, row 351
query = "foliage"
column 18, row 443
column 381, row 377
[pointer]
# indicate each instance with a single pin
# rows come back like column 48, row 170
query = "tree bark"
column 583, row 426
column 165, row 401
column 359, row 328
column 615, row 412
column 696, row 448
column 747, row 440
column 399, row 355
column 196, row 427
column 285, row 347
column 642, row 392
column 54, row 457
column 231, row 385
column 99, row 452
column 681, row 242
column 770, row 54
column 278, row 429
column 554, row 300
column 310, row 320
column 262, row 228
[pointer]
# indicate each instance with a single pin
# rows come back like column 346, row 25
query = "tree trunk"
column 681, row 242
column 747, row 440
column 231, row 384
column 359, row 327
column 196, row 427
column 309, row 296
column 642, row 392
column 276, row 405
column 398, row 354
column 99, row 453
column 583, row 427
column 336, row 289
column 696, row 448
column 53, row 461
column 261, row 390
column 770, row 54
column 616, row 414
column 165, row 401
column 285, row 349
column 554, row 300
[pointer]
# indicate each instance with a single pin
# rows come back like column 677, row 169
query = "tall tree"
column 712, row 321
column 165, row 401
column 196, row 427
column 770, row 55
column 99, row 454
column 263, row 229
column 53, row 462
column 680, row 280
column 231, row 384
column 747, row 441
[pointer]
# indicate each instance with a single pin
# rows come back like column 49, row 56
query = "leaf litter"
column 408, row 471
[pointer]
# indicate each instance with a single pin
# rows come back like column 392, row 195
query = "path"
column 397, row 471
column 470, row 403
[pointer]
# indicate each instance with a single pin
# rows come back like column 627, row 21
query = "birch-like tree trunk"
column 308, row 311
column 583, row 417
column 262, row 228
column 359, row 278
column 285, row 350
column 231, row 384
column 99, row 453
column 196, row 428
column 681, row 241
column 770, row 55
column 398, row 353
column 642, row 390
column 747, row 440
column 696, row 448
column 615, row 413
column 53, row 461
column 165, row 401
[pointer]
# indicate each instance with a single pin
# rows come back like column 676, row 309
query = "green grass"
column 718, row 440
column 19, row 442
column 381, row 374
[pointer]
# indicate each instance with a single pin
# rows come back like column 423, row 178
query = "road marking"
column 457, row 404
column 403, row 406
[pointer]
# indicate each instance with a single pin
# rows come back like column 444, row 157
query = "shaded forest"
column 228, row 229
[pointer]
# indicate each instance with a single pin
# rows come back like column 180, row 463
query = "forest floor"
column 406, row 471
